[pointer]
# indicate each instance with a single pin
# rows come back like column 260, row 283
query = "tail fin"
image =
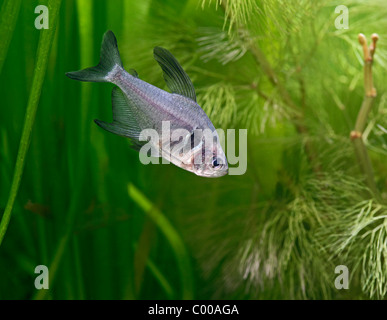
column 110, row 57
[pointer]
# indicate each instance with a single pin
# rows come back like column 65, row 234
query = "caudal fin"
column 110, row 57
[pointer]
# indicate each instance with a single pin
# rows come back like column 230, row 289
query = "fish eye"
column 215, row 163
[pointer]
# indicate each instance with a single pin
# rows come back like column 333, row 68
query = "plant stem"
column 45, row 43
column 361, row 121
column 174, row 239
column 8, row 17
column 260, row 58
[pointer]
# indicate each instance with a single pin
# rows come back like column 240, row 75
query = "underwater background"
column 109, row 227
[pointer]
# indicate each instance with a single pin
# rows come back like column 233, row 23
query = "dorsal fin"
column 175, row 77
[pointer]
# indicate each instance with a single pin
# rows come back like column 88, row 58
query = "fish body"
column 155, row 104
column 138, row 106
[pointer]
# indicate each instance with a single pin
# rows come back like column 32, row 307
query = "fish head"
column 208, row 159
column 214, row 166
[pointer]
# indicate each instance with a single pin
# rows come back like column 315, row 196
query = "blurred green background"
column 109, row 227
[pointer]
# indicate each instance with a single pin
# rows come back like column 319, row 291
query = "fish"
column 138, row 106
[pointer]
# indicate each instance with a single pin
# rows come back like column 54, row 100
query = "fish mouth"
column 201, row 172
column 212, row 174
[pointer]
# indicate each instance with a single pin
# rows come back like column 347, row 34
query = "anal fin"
column 124, row 119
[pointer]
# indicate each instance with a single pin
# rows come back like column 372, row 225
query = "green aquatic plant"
column 274, row 253
column 312, row 198
column 33, row 101
column 173, row 238
column 9, row 14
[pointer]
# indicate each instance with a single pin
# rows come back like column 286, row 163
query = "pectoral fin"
column 133, row 73
column 175, row 77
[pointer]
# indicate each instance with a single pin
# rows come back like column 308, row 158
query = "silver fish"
column 138, row 105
